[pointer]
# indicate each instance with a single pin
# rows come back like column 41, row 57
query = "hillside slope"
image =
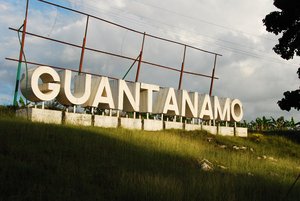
column 55, row 162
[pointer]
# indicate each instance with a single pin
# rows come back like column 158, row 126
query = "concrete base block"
column 55, row 117
column 131, row 123
column 241, row 132
column 106, row 121
column 211, row 129
column 173, row 125
column 153, row 125
column 41, row 115
column 192, row 127
column 78, row 119
column 226, row 131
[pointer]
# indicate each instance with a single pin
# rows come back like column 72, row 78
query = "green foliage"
column 291, row 99
column 7, row 111
column 287, row 22
column 271, row 124
column 55, row 162
column 21, row 102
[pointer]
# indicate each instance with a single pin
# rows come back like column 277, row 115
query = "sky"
column 248, row 69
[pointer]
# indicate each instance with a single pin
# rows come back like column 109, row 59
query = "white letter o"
column 236, row 110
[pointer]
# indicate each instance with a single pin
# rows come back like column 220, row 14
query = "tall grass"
column 55, row 162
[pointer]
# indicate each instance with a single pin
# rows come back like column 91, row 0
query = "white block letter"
column 188, row 102
column 221, row 108
column 236, row 110
column 101, row 95
column 205, row 107
column 82, row 88
column 47, row 90
column 126, row 95
column 146, row 101
column 166, row 102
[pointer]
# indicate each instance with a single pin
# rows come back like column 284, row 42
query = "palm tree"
column 265, row 123
column 279, row 124
column 258, row 124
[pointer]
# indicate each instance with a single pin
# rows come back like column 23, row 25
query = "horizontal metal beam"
column 115, row 55
column 127, row 28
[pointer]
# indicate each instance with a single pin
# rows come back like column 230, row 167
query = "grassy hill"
column 55, row 162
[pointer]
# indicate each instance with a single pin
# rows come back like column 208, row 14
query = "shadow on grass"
column 47, row 162
column 293, row 135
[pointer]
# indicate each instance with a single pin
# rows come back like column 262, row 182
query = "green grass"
column 55, row 162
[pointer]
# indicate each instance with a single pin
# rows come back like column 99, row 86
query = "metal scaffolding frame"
column 138, row 59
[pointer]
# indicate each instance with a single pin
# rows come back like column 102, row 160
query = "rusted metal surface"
column 140, row 59
column 114, row 55
column 130, row 67
column 83, row 44
column 62, row 68
column 212, row 76
column 182, row 69
column 15, row 102
column 127, row 28
column 140, row 56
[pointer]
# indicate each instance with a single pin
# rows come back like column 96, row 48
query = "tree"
column 287, row 23
column 291, row 99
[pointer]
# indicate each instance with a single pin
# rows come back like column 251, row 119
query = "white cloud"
column 3, row 7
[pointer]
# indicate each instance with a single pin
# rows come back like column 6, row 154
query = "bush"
column 9, row 111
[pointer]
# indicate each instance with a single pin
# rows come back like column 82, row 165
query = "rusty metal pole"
column 213, row 76
column 140, row 59
column 83, row 45
column 182, row 69
column 15, row 102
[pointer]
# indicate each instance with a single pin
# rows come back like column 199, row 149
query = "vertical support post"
column 15, row 102
column 83, row 45
column 234, row 129
column 140, row 59
column 213, row 76
column 182, row 69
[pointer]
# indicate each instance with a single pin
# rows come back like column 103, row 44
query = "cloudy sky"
column 248, row 68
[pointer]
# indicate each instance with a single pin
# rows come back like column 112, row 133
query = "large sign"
column 44, row 84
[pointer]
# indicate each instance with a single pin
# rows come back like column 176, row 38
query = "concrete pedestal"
column 211, row 129
column 226, row 131
column 78, row 119
column 153, row 125
column 106, row 121
column 173, row 125
column 192, row 127
column 41, row 115
column 241, row 132
column 55, row 117
column 131, row 123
